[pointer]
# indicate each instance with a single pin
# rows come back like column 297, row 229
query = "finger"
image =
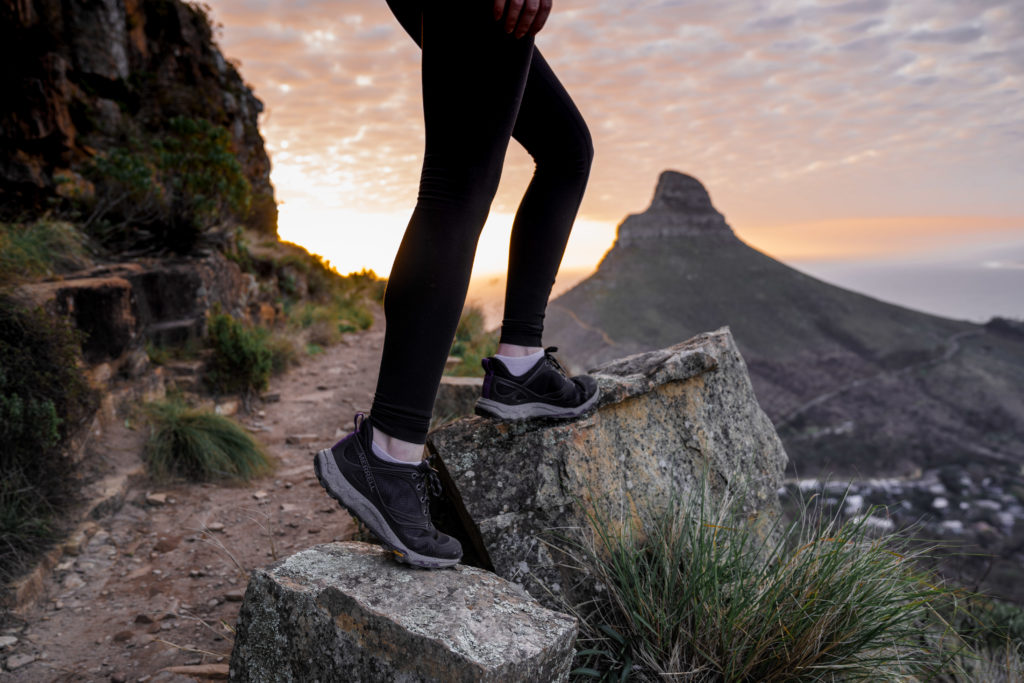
column 499, row 9
column 526, row 17
column 512, row 14
column 542, row 17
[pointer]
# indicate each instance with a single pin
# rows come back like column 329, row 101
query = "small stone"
column 18, row 661
column 234, row 596
column 298, row 439
column 312, row 530
column 287, row 484
column 118, row 677
column 122, row 636
column 259, row 495
column 156, row 499
column 167, row 544
column 289, row 507
column 271, row 398
column 73, row 581
column 215, row 526
column 7, row 641
column 213, row 602
column 143, row 618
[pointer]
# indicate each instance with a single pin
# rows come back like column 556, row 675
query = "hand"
column 525, row 17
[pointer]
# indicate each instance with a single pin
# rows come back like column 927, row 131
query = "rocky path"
column 152, row 591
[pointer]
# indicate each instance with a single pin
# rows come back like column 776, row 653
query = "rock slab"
column 666, row 421
column 348, row 612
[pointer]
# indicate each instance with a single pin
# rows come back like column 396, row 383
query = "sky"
column 827, row 132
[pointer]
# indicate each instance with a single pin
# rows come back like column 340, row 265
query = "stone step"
column 349, row 612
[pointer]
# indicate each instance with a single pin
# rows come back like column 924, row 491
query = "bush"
column 199, row 445
column 472, row 343
column 40, row 249
column 164, row 193
column 43, row 401
column 242, row 359
column 697, row 593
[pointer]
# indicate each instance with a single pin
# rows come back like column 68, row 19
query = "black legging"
column 480, row 86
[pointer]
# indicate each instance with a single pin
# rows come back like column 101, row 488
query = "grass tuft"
column 199, row 445
column 39, row 249
column 695, row 592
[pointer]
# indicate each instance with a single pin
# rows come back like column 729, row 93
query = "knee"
column 465, row 188
column 572, row 157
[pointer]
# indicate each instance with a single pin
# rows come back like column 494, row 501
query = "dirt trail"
column 159, row 585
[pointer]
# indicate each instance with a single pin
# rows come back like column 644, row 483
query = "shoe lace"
column 554, row 361
column 427, row 484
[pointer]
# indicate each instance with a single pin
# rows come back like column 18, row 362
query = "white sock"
column 520, row 365
column 387, row 457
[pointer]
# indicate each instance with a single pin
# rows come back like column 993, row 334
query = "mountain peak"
column 680, row 192
column 681, row 207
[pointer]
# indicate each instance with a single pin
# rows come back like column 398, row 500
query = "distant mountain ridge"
column 853, row 384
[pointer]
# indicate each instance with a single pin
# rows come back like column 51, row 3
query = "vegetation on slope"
column 43, row 400
column 696, row 592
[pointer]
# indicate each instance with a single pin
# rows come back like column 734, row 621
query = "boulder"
column 348, row 612
column 456, row 397
column 667, row 421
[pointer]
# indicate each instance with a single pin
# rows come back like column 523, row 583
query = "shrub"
column 242, row 359
column 283, row 353
column 43, row 401
column 199, row 445
column 697, row 593
column 165, row 192
column 472, row 343
column 41, row 248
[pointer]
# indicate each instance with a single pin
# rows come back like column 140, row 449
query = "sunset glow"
column 823, row 129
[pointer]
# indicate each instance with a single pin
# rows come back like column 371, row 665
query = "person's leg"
column 523, row 380
column 552, row 130
column 473, row 80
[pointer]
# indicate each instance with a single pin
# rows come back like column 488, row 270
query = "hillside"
column 854, row 385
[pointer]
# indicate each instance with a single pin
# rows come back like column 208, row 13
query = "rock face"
column 347, row 612
column 664, row 419
column 680, row 207
column 161, row 300
column 84, row 76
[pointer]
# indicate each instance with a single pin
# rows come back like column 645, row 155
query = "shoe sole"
column 338, row 488
column 488, row 407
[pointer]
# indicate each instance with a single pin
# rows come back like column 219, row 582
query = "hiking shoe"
column 392, row 500
column 544, row 391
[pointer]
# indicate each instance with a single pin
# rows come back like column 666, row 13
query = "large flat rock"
column 348, row 612
column 666, row 422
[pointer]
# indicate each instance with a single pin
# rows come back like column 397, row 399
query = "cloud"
column 789, row 110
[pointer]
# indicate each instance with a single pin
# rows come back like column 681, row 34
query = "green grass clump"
column 44, row 400
column 45, row 247
column 472, row 343
column 695, row 592
column 200, row 445
column 242, row 358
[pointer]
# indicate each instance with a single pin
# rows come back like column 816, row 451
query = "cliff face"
column 81, row 77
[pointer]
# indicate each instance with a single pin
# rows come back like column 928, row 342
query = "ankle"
column 405, row 451
column 516, row 350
